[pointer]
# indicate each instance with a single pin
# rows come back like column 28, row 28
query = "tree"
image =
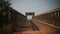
column 4, row 6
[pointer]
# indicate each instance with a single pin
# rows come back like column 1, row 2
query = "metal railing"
column 51, row 17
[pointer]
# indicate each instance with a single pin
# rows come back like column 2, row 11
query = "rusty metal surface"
column 52, row 17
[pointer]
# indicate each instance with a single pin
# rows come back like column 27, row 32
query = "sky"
column 37, row 6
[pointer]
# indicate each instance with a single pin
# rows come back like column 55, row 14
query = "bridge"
column 13, row 22
column 46, row 23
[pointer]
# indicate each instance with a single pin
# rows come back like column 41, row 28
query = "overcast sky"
column 38, row 6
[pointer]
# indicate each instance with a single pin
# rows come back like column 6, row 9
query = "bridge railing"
column 51, row 17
